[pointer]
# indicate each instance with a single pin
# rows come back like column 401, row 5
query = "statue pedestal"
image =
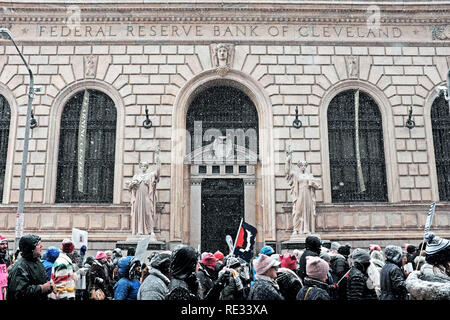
column 297, row 241
column 133, row 240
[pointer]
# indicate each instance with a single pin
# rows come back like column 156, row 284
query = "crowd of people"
column 319, row 272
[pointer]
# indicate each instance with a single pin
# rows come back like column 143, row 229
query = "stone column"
column 195, row 218
column 250, row 201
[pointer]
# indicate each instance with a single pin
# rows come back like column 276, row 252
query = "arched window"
column 357, row 164
column 5, row 118
column 223, row 108
column 87, row 149
column 440, row 120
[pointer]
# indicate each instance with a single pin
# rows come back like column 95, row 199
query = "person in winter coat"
column 51, row 254
column 183, row 267
column 128, row 286
column 268, row 251
column 313, row 247
column 358, row 286
column 289, row 283
column 339, row 266
column 207, row 273
column 184, row 284
column 63, row 273
column 81, row 284
column 5, row 258
column 376, row 264
column 432, row 282
column 98, row 276
column 234, row 285
column 392, row 279
column 155, row 285
column 27, row 279
column 315, row 285
column 265, row 286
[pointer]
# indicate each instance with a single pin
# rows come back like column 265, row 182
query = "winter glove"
column 99, row 280
column 224, row 277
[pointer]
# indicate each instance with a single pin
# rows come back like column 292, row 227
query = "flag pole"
column 427, row 228
column 237, row 235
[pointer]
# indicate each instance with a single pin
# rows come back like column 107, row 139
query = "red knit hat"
column 3, row 239
column 219, row 255
column 209, row 260
column 288, row 261
column 374, row 247
column 67, row 246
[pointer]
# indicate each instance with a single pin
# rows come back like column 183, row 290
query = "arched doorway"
column 222, row 127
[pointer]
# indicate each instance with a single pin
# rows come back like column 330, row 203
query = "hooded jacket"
column 28, row 273
column 357, row 284
column 339, row 267
column 99, row 279
column 392, row 279
column 52, row 254
column 127, row 287
column 289, row 283
column 184, row 284
column 155, row 285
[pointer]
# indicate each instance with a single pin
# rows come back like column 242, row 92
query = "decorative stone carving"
column 303, row 186
column 352, row 66
column 90, row 66
column 440, row 32
column 222, row 55
column 143, row 199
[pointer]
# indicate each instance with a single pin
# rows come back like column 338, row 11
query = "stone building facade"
column 283, row 55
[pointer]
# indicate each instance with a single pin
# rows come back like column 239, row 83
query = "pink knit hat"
column 3, row 239
column 100, row 255
column 264, row 263
column 209, row 260
column 289, row 261
column 316, row 268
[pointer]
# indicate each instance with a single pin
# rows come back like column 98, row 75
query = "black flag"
column 245, row 241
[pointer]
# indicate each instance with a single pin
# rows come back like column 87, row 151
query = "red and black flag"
column 245, row 241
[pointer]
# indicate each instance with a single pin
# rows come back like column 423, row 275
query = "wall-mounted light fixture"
column 410, row 122
column 147, row 123
column 297, row 124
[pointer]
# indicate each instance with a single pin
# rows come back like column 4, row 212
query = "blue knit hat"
column 267, row 250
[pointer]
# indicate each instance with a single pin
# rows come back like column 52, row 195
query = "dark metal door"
column 222, row 211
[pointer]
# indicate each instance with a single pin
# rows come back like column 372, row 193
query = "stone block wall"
column 151, row 75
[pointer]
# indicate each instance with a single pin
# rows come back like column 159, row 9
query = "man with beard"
column 28, row 279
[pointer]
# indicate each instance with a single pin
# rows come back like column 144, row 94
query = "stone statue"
column 222, row 55
column 143, row 198
column 303, row 186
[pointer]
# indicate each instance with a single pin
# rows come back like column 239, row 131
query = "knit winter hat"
column 267, row 250
column 360, row 255
column 233, row 262
column 335, row 246
column 393, row 254
column 2, row 239
column 435, row 243
column 289, row 261
column 264, row 263
column 209, row 260
column 161, row 261
column 374, row 247
column 67, row 246
column 100, row 255
column 316, row 268
column 218, row 255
